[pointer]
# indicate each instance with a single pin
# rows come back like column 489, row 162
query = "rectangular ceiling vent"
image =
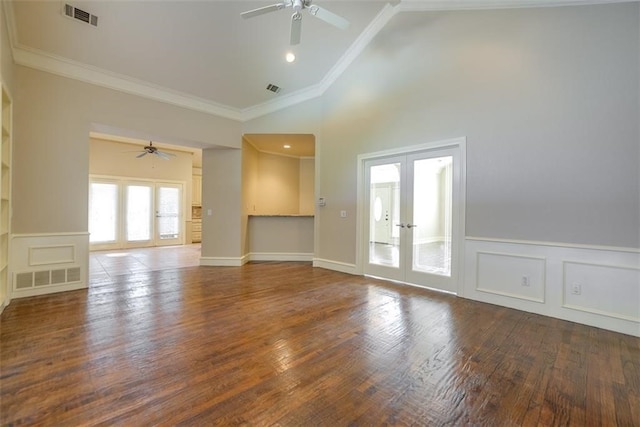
column 273, row 88
column 79, row 14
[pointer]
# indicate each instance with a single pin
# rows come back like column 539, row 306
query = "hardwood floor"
column 286, row 344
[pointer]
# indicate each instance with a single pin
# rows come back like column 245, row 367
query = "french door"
column 129, row 213
column 412, row 229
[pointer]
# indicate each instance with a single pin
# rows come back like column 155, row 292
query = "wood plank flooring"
column 286, row 344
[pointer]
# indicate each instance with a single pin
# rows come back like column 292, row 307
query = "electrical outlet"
column 343, row 214
column 576, row 289
column 524, row 281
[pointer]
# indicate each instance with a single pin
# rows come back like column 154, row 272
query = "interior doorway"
column 413, row 215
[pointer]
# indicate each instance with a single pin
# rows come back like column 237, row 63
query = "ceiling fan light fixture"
column 296, row 18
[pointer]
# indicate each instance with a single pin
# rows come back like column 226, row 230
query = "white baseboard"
column 279, row 256
column 593, row 285
column 335, row 265
column 23, row 293
column 223, row 261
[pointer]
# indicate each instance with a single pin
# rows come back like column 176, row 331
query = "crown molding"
column 434, row 5
column 363, row 40
column 67, row 68
column 33, row 58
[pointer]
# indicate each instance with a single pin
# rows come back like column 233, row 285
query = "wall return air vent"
column 79, row 14
column 273, row 88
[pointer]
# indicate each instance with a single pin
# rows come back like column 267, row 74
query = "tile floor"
column 104, row 265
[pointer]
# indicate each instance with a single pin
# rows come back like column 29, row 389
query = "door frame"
column 361, row 222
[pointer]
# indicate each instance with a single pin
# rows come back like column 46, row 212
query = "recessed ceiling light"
column 286, row 146
column 290, row 57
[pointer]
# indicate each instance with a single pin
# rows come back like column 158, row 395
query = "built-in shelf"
column 5, row 196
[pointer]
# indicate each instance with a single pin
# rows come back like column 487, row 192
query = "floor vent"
column 79, row 14
column 35, row 279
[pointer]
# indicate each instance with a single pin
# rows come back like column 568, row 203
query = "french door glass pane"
column 103, row 212
column 384, row 234
column 168, row 213
column 432, row 215
column 138, row 213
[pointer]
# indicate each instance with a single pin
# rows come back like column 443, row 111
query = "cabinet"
column 5, row 196
column 196, row 231
column 196, row 196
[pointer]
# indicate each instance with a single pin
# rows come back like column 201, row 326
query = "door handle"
column 411, row 226
column 401, row 225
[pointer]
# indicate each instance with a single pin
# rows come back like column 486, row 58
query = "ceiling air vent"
column 79, row 14
column 273, row 88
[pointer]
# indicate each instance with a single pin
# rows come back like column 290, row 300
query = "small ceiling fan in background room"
column 150, row 149
column 296, row 19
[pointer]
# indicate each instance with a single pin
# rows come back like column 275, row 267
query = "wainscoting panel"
column 520, row 277
column 602, row 289
column 597, row 286
column 47, row 263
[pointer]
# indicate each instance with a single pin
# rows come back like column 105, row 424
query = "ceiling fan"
column 296, row 19
column 150, row 149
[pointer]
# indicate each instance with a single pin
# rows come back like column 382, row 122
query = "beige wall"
column 281, row 235
column 249, row 189
column 277, row 185
column 6, row 59
column 53, row 117
column 222, row 235
column 307, row 186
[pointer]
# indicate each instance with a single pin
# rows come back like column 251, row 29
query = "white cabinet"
column 196, row 197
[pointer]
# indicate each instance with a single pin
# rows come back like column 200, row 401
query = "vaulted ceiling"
column 201, row 54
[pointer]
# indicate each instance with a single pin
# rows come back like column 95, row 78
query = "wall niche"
column 278, row 174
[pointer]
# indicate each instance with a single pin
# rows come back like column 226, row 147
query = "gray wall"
column 548, row 101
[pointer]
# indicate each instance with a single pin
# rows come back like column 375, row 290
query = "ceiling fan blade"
column 266, row 9
column 141, row 155
column 164, row 156
column 329, row 17
column 296, row 28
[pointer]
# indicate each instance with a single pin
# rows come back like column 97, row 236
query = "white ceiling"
column 201, row 54
column 198, row 48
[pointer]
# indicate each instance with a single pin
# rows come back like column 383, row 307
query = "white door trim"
column 361, row 222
